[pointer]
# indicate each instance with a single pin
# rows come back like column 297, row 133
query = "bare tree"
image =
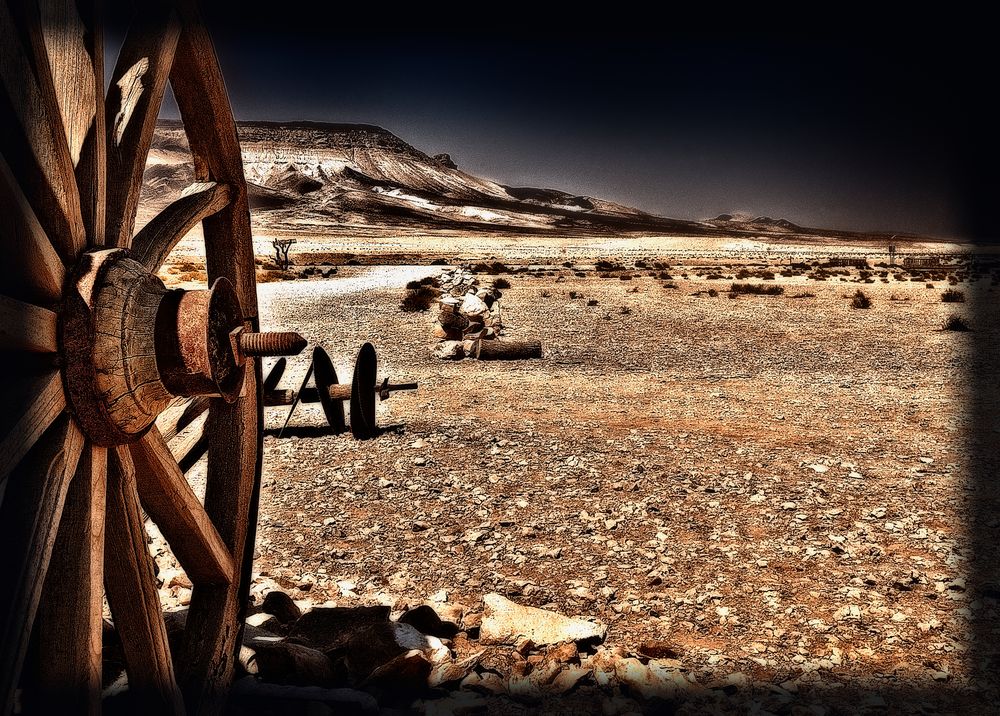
column 281, row 247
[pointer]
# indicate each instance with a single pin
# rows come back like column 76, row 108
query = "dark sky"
column 840, row 131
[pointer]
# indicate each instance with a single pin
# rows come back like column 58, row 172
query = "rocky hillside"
column 307, row 176
column 333, row 178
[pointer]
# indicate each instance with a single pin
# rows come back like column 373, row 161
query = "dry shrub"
column 419, row 299
column 756, row 288
column 953, row 296
column 860, row 299
column 804, row 294
column 954, row 322
column 501, row 283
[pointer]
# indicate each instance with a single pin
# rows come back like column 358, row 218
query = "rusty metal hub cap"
column 130, row 345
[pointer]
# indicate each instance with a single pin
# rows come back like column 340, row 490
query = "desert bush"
column 930, row 285
column 743, row 273
column 954, row 322
column 592, row 302
column 545, row 293
column 804, row 294
column 501, row 283
column 670, row 285
column 580, row 274
column 757, row 289
column 625, row 277
column 712, row 292
column 603, row 265
column 419, row 299
column 860, row 299
column 715, row 277
column 953, row 296
column 624, row 310
column 664, row 276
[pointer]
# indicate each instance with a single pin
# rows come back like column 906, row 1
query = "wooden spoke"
column 189, row 448
column 38, row 273
column 151, row 245
column 133, row 103
column 235, row 429
column 29, row 519
column 24, row 327
column 91, row 166
column 58, row 38
column 69, row 622
column 37, row 150
column 233, row 461
column 29, row 426
column 179, row 415
column 211, row 131
column 130, row 586
column 171, row 503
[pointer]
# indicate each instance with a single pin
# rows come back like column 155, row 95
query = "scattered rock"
column 289, row 663
column 330, row 628
column 281, row 607
column 504, row 622
column 427, row 621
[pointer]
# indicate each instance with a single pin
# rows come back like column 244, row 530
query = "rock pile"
column 468, row 313
column 436, row 657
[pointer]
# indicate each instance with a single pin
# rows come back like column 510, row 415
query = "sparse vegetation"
column 545, row 293
column 281, row 248
column 712, row 292
column 953, row 296
column 624, row 310
column 419, row 299
column 954, row 322
column 756, row 289
column 804, row 294
column 501, row 283
column 860, row 299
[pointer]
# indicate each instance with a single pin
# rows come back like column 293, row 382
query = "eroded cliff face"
column 334, row 176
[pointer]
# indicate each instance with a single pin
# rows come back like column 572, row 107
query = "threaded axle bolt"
column 271, row 343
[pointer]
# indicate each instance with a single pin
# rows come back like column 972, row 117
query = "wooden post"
column 509, row 350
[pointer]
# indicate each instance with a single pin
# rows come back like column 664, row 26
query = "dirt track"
column 775, row 486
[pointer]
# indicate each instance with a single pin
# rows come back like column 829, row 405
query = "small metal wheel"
column 105, row 366
column 363, row 420
column 326, row 377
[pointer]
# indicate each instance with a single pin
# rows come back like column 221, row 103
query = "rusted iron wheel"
column 111, row 382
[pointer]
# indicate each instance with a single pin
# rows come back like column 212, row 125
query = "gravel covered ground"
column 781, row 488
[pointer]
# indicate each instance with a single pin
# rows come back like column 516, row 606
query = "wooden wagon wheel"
column 96, row 350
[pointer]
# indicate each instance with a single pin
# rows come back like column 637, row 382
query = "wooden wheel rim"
column 70, row 180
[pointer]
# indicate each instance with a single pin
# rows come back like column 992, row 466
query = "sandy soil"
column 777, row 486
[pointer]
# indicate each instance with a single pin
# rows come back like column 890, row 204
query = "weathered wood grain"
column 25, row 327
column 32, row 421
column 156, row 239
column 171, row 503
column 32, row 270
column 33, row 141
column 133, row 103
column 69, row 622
column 29, row 519
column 131, row 590
column 181, row 413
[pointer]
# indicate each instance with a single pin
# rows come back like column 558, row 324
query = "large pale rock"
column 449, row 350
column 381, row 643
column 504, row 622
column 473, row 306
column 289, row 663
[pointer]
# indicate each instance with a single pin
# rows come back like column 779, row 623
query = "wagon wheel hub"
column 130, row 345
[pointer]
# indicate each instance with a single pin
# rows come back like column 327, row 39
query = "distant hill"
column 310, row 176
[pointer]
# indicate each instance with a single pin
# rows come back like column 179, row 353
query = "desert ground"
column 780, row 492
